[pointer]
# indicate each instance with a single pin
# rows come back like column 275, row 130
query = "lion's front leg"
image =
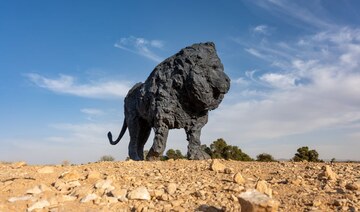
column 193, row 137
column 158, row 147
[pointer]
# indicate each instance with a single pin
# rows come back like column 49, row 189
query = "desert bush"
column 107, row 158
column 265, row 157
column 220, row 149
column 304, row 154
column 174, row 154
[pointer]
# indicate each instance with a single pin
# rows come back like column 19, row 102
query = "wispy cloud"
column 66, row 84
column 262, row 29
column 141, row 46
column 92, row 111
column 297, row 12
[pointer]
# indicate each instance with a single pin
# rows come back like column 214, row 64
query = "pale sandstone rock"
column 217, row 166
column 39, row 205
column 262, row 186
column 35, row 190
column 238, row 178
column 22, row 198
column 67, row 198
column 254, row 201
column 93, row 175
column 120, row 194
column 140, row 193
column 104, row 184
column 46, row 170
column 70, row 176
column 19, row 164
column 89, row 197
column 171, row 188
column 328, row 173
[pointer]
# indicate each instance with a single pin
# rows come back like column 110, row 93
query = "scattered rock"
column 104, row 185
column 19, row 164
column 353, row 186
column 228, row 170
column 46, row 170
column 254, row 201
column 328, row 173
column 39, row 205
column 316, row 202
column 171, row 188
column 89, row 197
column 140, row 193
column 120, row 194
column 262, row 186
column 22, row 198
column 217, row 166
column 70, row 176
column 67, row 198
column 238, row 178
column 93, row 175
column 35, row 190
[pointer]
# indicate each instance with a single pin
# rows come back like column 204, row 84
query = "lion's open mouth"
column 216, row 93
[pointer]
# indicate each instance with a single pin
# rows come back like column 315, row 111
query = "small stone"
column 46, row 170
column 353, row 186
column 262, row 186
column 104, row 184
column 316, row 203
column 93, row 175
column 228, row 170
column 176, row 203
column 60, row 185
column 89, row 197
column 35, row 190
column 39, row 205
column 238, row 178
column 217, row 166
column 22, row 198
column 253, row 201
column 120, row 194
column 140, row 193
column 171, row 188
column 73, row 184
column 70, row 176
column 68, row 198
column 19, row 164
column 328, row 173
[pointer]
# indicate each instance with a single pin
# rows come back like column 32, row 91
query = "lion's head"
column 206, row 82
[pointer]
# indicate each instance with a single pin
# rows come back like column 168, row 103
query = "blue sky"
column 65, row 67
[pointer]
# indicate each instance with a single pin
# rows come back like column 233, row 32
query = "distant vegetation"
column 220, row 149
column 304, row 154
column 265, row 157
column 107, row 158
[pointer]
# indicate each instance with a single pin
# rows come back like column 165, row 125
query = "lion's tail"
column 123, row 130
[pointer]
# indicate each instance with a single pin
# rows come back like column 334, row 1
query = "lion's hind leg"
column 144, row 133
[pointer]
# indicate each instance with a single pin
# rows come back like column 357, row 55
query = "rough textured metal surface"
column 178, row 94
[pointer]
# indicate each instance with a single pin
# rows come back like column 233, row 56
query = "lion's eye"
column 214, row 67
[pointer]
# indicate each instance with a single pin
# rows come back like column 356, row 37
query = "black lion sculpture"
column 178, row 94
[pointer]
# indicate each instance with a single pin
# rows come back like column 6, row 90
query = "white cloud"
column 278, row 80
column 255, row 52
column 92, row 111
column 141, row 46
column 261, row 29
column 66, row 84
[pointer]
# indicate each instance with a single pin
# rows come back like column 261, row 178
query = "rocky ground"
column 181, row 185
